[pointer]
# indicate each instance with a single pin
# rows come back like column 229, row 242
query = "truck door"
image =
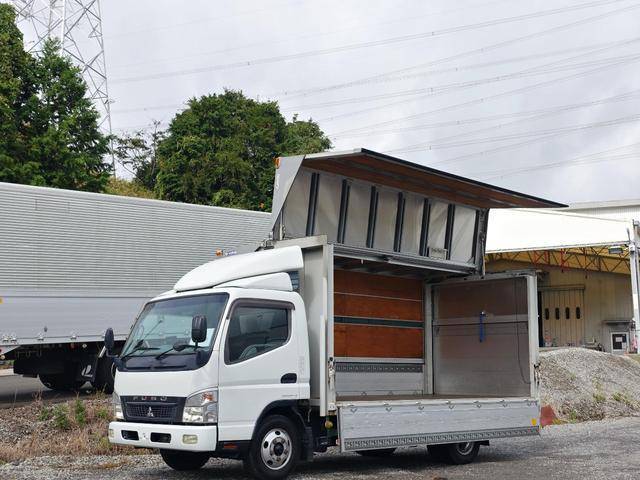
column 258, row 364
column 484, row 336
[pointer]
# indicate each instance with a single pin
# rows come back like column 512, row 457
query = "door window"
column 254, row 330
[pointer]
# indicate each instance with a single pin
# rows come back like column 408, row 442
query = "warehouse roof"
column 524, row 229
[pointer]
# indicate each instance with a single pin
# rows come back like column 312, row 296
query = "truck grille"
column 153, row 409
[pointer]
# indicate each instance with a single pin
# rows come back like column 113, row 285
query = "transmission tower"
column 77, row 24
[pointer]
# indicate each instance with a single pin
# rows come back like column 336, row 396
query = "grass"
column 599, row 397
column 622, row 397
column 75, row 427
column 6, row 365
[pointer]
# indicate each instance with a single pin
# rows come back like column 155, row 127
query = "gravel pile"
column 583, row 384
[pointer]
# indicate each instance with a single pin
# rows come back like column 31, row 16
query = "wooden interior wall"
column 377, row 316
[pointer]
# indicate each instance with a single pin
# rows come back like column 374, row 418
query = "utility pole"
column 77, row 24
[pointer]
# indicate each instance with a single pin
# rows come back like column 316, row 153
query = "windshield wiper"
column 178, row 347
column 137, row 348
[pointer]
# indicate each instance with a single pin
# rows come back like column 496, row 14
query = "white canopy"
column 512, row 230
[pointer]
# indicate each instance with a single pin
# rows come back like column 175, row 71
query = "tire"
column 184, row 461
column 438, row 453
column 274, row 450
column 61, row 382
column 383, row 452
column 105, row 375
column 461, row 453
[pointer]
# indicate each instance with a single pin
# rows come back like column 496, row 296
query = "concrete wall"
column 607, row 296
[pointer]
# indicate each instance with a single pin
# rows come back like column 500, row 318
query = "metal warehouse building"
column 587, row 264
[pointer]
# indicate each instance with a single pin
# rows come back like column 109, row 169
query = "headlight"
column 117, row 407
column 201, row 407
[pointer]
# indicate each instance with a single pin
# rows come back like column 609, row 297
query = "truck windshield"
column 165, row 323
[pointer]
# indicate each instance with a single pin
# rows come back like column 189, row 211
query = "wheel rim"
column 464, row 448
column 275, row 449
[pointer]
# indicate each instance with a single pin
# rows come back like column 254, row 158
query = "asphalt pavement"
column 16, row 389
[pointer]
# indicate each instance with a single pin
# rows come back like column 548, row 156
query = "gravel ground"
column 584, row 384
column 603, row 449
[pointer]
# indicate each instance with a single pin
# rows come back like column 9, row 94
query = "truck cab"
column 365, row 322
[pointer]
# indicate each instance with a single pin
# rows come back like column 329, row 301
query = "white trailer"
column 365, row 322
column 73, row 263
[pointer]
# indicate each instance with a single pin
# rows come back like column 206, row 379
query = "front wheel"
column 183, row 461
column 274, row 450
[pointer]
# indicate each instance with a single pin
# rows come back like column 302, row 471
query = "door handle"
column 289, row 378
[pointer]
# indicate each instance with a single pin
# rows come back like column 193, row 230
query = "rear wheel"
column 438, row 453
column 183, row 461
column 455, row 453
column 66, row 381
column 383, row 452
column 274, row 450
column 61, row 382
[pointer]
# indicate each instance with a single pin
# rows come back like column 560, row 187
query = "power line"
column 535, row 133
column 540, row 138
column 432, row 91
column 394, row 94
column 536, row 114
column 481, row 50
column 488, row 98
column 208, row 20
column 356, row 26
column 461, row 68
column 356, row 46
column 581, row 160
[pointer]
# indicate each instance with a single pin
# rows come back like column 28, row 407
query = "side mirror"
column 199, row 328
column 109, row 341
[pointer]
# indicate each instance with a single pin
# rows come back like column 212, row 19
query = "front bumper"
column 172, row 437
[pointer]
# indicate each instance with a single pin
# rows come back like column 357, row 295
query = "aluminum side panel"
column 385, row 425
column 33, row 317
column 315, row 287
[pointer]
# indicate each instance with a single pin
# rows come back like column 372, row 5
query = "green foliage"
column 126, row 188
column 137, row 153
column 48, row 127
column 304, row 137
column 622, row 397
column 221, row 151
column 61, row 417
column 45, row 413
column 599, row 397
column 80, row 412
column 103, row 413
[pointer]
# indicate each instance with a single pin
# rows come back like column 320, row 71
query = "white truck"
column 364, row 322
column 72, row 263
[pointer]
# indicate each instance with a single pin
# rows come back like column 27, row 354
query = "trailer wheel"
column 61, row 382
column 461, row 453
column 274, row 450
column 438, row 453
column 105, row 375
column 182, row 461
column 383, row 452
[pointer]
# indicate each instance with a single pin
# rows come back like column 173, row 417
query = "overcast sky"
column 535, row 96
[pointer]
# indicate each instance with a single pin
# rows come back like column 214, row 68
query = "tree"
column 304, row 137
column 127, row 188
column 137, row 153
column 221, row 151
column 16, row 89
column 49, row 128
